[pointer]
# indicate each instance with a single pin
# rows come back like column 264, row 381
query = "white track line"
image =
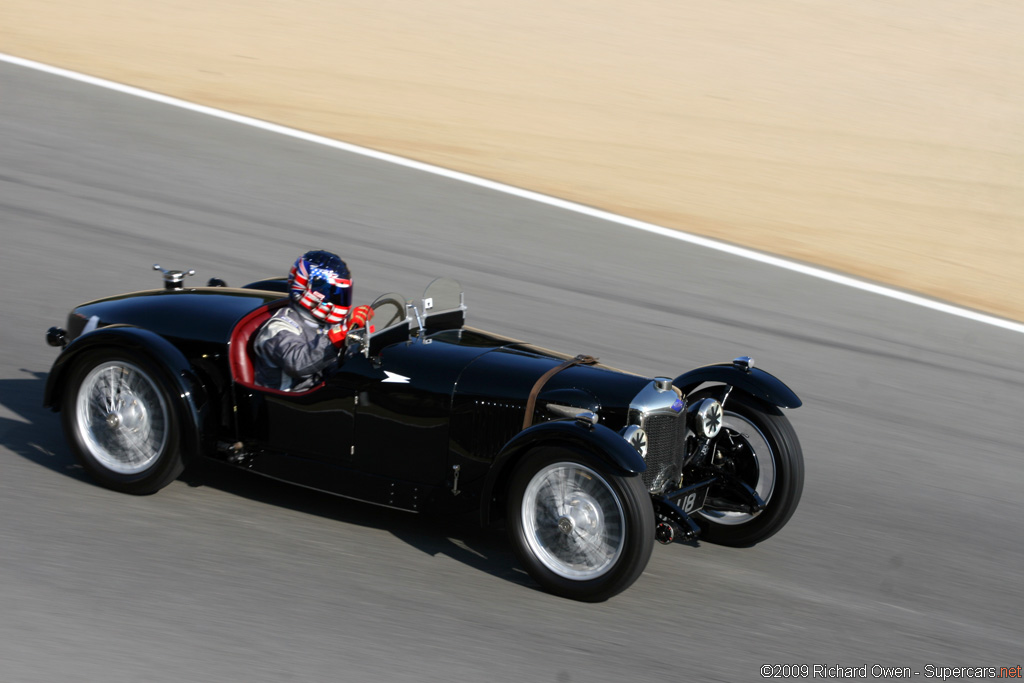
column 527, row 194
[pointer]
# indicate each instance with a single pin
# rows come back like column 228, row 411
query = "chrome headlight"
column 637, row 438
column 708, row 418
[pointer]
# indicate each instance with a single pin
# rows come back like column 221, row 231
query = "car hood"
column 501, row 371
column 488, row 378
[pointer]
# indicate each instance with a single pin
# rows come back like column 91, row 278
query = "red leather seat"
column 240, row 348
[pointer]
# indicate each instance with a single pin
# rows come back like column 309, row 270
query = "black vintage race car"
column 586, row 465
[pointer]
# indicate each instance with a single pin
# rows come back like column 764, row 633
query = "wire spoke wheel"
column 120, row 422
column 580, row 531
column 573, row 520
column 121, row 417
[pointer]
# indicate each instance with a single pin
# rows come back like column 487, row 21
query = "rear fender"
column 176, row 371
column 611, row 452
column 750, row 380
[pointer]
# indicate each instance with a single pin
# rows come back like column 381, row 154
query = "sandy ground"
column 883, row 138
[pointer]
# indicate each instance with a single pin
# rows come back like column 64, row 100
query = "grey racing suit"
column 291, row 351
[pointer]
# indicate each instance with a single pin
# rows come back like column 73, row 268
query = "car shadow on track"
column 34, row 432
column 458, row 537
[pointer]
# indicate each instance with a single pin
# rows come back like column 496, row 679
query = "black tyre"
column 579, row 532
column 121, row 423
column 757, row 444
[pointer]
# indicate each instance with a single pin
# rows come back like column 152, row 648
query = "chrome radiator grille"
column 666, row 439
column 660, row 412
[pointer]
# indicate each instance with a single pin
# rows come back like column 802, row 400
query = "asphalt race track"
column 906, row 549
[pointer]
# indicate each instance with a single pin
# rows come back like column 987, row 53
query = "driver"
column 300, row 341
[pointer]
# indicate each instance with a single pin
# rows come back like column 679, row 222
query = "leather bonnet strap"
column 531, row 402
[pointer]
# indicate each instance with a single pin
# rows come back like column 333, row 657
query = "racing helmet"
column 320, row 283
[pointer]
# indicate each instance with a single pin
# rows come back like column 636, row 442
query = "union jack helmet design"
column 320, row 282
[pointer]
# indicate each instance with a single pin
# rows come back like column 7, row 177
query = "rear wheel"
column 580, row 533
column 758, row 446
column 121, row 423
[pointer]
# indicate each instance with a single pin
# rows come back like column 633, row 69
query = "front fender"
column 753, row 381
column 610, row 450
column 176, row 371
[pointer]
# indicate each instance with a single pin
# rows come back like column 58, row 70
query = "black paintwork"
column 206, row 314
column 753, row 381
column 392, row 428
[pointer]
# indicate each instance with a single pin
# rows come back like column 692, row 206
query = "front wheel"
column 580, row 533
column 121, row 423
column 757, row 445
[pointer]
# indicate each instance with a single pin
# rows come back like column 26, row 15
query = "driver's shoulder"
column 283, row 320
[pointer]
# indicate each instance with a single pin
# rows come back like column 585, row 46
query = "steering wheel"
column 388, row 307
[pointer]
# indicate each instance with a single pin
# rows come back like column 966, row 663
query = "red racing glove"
column 337, row 334
column 360, row 314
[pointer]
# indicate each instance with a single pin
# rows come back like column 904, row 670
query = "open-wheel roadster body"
column 586, row 465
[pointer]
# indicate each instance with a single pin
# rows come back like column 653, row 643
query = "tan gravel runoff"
column 883, row 138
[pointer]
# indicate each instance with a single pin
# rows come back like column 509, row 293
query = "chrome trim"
column 456, row 470
column 173, row 278
column 744, row 363
column 562, row 410
column 652, row 398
